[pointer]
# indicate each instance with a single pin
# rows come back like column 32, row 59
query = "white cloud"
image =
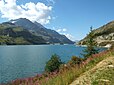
column 69, row 36
column 58, row 30
column 64, row 31
column 61, row 30
column 35, row 12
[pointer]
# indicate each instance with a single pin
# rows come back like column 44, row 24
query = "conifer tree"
column 91, row 45
column 53, row 64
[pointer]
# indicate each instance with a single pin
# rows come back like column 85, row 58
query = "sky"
column 72, row 18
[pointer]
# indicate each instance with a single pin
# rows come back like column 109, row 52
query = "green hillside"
column 101, row 74
column 15, row 35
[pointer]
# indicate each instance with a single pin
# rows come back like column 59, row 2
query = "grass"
column 64, row 77
column 69, row 75
column 18, row 29
column 100, row 74
column 20, row 41
column 106, row 77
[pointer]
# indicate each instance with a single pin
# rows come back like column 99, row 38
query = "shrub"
column 75, row 60
column 53, row 64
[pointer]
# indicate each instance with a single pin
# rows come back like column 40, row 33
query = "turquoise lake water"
column 21, row 61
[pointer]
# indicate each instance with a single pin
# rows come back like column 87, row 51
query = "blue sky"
column 70, row 17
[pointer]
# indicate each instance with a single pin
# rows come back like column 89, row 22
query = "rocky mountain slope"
column 104, row 35
column 50, row 36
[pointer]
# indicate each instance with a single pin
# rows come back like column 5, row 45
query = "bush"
column 75, row 60
column 53, row 64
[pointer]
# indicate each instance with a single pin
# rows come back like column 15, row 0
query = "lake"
column 21, row 61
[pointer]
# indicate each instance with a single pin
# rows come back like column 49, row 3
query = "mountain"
column 104, row 35
column 11, row 34
column 50, row 36
column 26, row 24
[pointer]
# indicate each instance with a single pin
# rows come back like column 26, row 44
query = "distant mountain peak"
column 20, row 20
column 39, row 30
column 8, row 23
column 25, row 23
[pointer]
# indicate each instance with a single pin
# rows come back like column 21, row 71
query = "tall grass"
column 71, row 73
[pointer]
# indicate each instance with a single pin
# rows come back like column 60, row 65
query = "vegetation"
column 91, row 44
column 53, row 64
column 104, row 76
column 75, row 60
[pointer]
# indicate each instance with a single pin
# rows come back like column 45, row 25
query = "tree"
column 91, row 45
column 53, row 64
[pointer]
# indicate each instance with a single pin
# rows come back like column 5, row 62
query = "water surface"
column 21, row 61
